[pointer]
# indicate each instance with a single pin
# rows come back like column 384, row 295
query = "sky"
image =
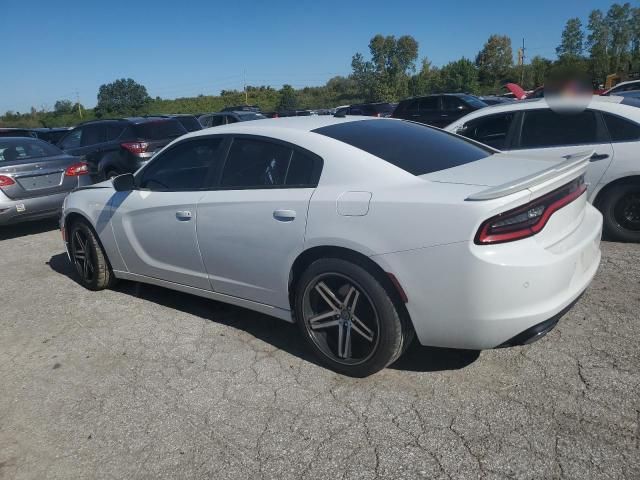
column 60, row 50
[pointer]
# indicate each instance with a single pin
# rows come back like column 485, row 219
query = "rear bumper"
column 463, row 295
column 35, row 208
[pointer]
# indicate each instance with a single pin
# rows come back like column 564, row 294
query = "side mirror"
column 124, row 183
column 462, row 107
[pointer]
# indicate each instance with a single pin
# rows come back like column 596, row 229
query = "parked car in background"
column 114, row 147
column 51, row 135
column 494, row 100
column 225, row 118
column 242, row 108
column 35, row 176
column 609, row 126
column 623, row 87
column 344, row 225
column 629, row 94
column 188, row 121
column 438, row 110
column 17, row 132
column 380, row 109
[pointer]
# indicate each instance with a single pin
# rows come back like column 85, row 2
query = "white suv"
column 610, row 126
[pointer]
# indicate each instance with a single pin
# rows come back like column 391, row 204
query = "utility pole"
column 521, row 58
column 244, row 82
column 78, row 103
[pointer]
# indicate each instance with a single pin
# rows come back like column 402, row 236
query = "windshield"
column 25, row 148
column 413, row 147
column 159, row 129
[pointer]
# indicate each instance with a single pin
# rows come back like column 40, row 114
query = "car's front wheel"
column 348, row 318
column 89, row 258
column 620, row 207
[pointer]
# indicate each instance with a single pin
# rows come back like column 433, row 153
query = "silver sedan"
column 35, row 176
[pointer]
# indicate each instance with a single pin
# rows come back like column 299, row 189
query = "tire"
column 620, row 208
column 88, row 258
column 348, row 318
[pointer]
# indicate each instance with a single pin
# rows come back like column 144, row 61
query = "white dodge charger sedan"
column 363, row 231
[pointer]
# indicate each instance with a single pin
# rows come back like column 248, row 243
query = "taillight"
column 135, row 147
column 77, row 169
column 529, row 219
column 6, row 181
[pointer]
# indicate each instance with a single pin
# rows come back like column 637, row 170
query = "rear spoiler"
column 575, row 161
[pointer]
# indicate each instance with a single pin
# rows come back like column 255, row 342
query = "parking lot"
column 146, row 382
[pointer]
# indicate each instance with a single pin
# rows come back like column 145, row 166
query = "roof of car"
column 301, row 124
column 611, row 103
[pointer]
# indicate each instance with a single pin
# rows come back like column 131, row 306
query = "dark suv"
column 438, row 110
column 381, row 109
column 114, row 147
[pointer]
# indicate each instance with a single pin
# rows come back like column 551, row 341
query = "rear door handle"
column 284, row 215
column 598, row 156
column 183, row 215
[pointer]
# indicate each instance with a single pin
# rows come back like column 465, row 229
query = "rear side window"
column 189, row 123
column 491, row 130
column 114, row 130
column 546, row 128
column 72, row 140
column 415, row 148
column 620, row 129
column 429, row 104
column 93, row 134
column 184, row 167
column 159, row 129
column 301, row 169
column 255, row 164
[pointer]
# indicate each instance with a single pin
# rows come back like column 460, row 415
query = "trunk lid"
column 36, row 177
column 502, row 174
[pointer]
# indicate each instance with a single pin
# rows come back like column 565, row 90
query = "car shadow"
column 280, row 334
column 8, row 232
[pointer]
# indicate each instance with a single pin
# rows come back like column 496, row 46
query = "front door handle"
column 598, row 156
column 183, row 215
column 284, row 215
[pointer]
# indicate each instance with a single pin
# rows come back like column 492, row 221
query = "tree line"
column 608, row 43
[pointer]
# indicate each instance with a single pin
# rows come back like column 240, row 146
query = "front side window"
column 491, row 130
column 620, row 129
column 184, row 167
column 255, row 164
column 546, row 128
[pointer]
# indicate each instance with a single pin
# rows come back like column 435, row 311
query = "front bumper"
column 463, row 295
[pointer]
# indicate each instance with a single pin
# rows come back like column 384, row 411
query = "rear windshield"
column 413, row 147
column 190, row 124
column 24, row 148
column 159, row 129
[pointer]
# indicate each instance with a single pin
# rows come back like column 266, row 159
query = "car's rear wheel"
column 348, row 318
column 620, row 207
column 89, row 258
